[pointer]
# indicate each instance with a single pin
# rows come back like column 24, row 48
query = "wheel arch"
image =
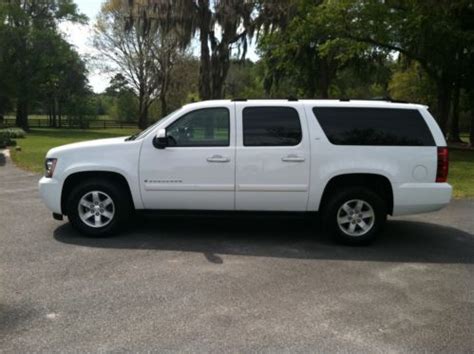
column 74, row 178
column 375, row 182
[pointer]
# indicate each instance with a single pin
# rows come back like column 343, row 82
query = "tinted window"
column 271, row 126
column 204, row 127
column 374, row 126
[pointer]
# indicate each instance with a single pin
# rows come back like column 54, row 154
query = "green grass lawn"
column 39, row 141
column 461, row 173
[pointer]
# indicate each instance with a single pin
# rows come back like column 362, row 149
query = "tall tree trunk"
column 142, row 110
column 59, row 115
column 50, row 115
column 53, row 113
column 205, row 67
column 164, row 105
column 22, row 114
column 471, row 129
column 143, row 120
column 324, row 80
column 444, row 103
column 219, row 68
column 165, row 85
column 453, row 135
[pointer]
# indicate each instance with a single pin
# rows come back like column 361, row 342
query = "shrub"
column 4, row 139
column 7, row 136
column 15, row 133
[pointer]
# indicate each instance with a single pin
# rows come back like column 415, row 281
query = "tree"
column 116, row 85
column 245, row 79
column 304, row 51
column 66, row 75
column 430, row 32
column 468, row 83
column 223, row 25
column 6, row 79
column 28, row 25
column 125, row 105
column 409, row 82
column 183, row 83
column 143, row 58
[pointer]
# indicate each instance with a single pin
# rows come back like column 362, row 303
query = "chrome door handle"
column 218, row 158
column 292, row 158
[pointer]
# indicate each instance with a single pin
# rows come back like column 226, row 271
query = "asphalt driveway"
column 239, row 285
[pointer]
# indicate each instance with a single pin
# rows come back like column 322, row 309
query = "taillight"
column 443, row 165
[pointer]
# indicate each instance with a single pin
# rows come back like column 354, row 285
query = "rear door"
column 272, row 157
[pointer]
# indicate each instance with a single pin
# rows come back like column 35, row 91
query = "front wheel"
column 97, row 208
column 355, row 216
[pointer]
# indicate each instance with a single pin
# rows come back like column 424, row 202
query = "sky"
column 81, row 37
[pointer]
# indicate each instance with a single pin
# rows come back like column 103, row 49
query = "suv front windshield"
column 145, row 132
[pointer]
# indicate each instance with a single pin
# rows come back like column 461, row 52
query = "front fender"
column 131, row 178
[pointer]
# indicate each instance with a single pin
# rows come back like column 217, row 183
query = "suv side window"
column 271, row 126
column 203, row 127
column 374, row 126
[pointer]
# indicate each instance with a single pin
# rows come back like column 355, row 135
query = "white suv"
column 353, row 161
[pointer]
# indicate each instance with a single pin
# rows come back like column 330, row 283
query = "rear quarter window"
column 374, row 126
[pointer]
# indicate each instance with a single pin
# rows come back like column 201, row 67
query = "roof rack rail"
column 387, row 99
column 399, row 101
column 290, row 98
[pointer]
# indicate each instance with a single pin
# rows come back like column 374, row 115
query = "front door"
column 273, row 157
column 197, row 169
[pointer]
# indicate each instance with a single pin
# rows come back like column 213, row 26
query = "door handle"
column 292, row 158
column 218, row 158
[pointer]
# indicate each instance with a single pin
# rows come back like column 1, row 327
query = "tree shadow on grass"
column 402, row 241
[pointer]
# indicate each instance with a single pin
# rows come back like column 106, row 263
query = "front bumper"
column 415, row 198
column 50, row 192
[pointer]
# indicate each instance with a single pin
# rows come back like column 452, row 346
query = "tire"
column 347, row 223
column 99, row 193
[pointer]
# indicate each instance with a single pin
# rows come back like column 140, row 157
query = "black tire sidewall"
column 121, row 204
column 335, row 202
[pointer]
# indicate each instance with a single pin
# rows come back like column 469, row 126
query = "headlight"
column 50, row 165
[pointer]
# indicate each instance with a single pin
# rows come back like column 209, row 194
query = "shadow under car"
column 299, row 238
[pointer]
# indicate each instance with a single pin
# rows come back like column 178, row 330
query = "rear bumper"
column 50, row 192
column 414, row 198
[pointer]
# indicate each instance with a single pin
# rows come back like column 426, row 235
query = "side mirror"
column 161, row 140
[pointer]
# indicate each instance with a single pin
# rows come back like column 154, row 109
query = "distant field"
column 45, row 117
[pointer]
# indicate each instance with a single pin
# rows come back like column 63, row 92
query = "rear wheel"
column 355, row 216
column 97, row 208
